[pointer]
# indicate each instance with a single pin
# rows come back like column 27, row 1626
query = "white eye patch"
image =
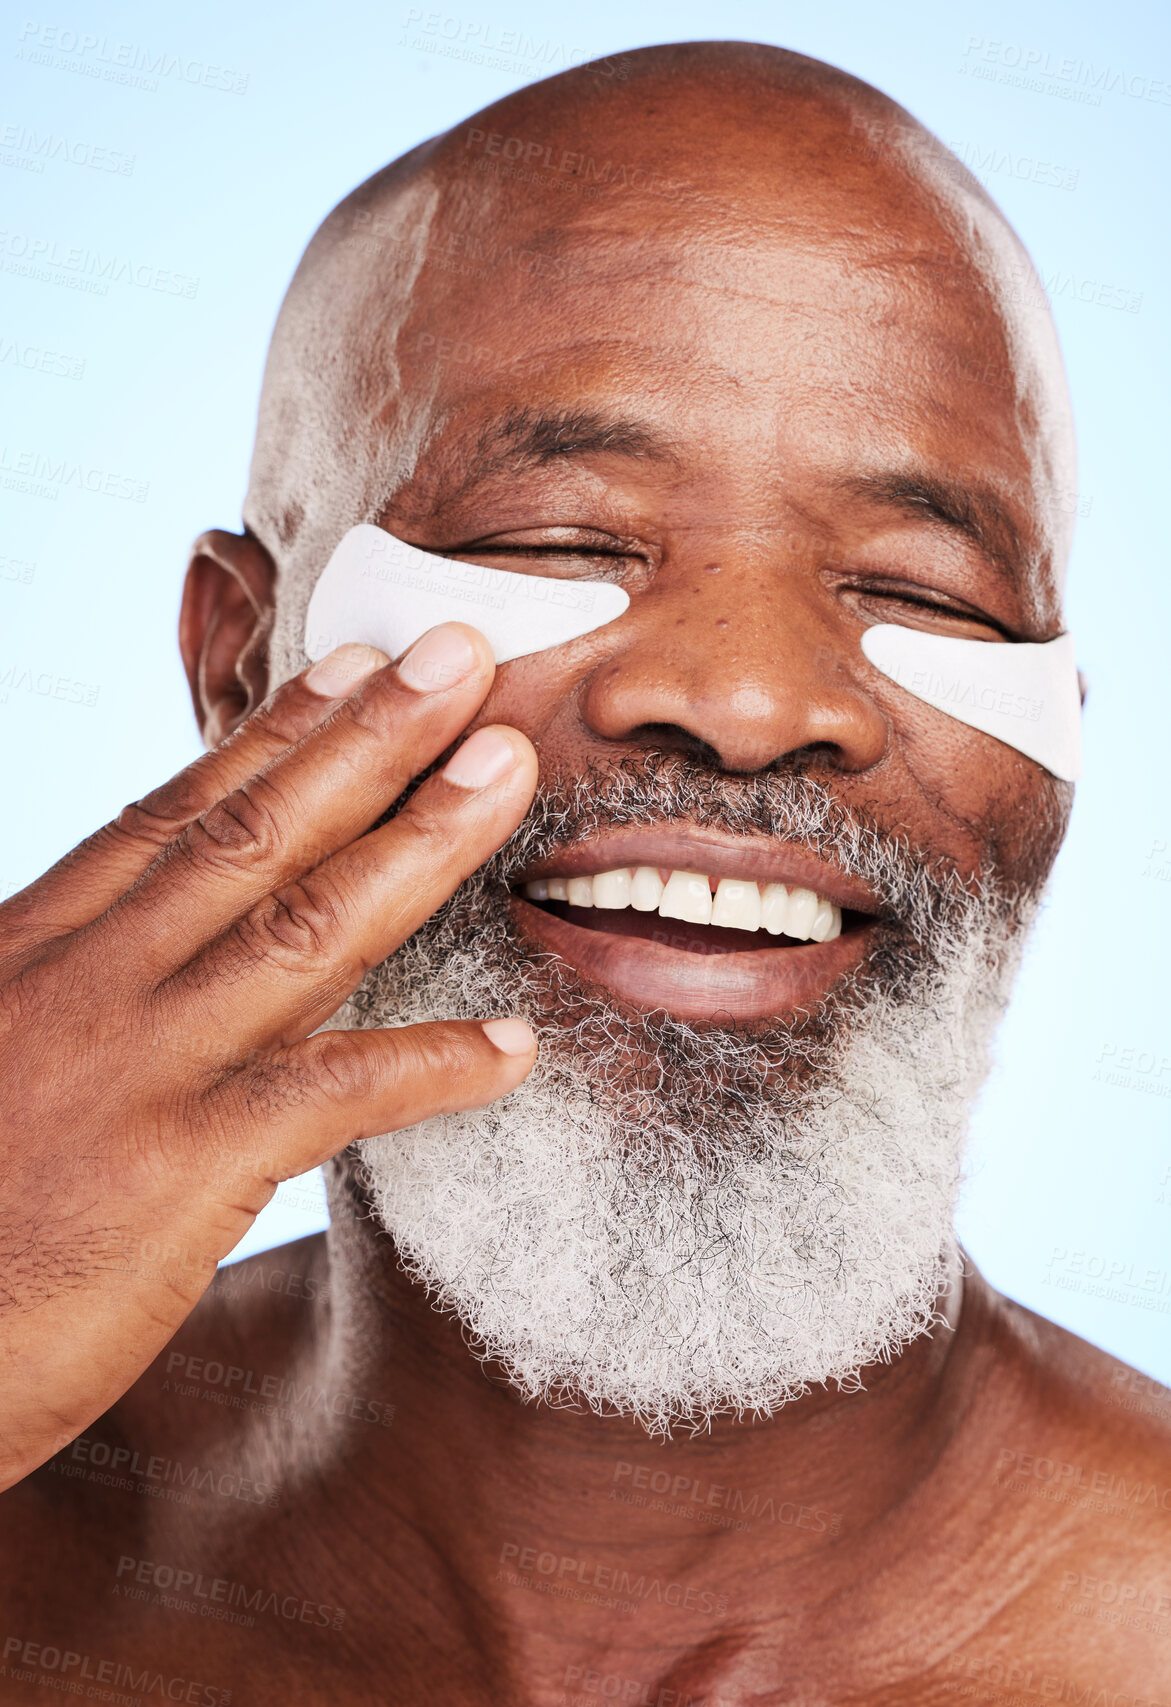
column 380, row 590
column 1026, row 696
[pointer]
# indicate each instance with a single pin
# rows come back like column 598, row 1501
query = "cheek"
column 535, row 695
column 981, row 803
column 1030, row 829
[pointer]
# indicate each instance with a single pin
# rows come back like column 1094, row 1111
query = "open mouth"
column 699, row 944
column 690, row 910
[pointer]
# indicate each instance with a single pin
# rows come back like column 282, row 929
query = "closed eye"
column 596, row 558
column 887, row 602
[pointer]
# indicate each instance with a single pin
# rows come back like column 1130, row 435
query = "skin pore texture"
column 778, row 369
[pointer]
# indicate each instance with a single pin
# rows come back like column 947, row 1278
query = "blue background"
column 201, row 149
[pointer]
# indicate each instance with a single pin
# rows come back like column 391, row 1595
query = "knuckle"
column 452, row 1058
column 374, row 715
column 146, row 825
column 245, row 827
column 426, row 821
column 436, row 1056
column 294, row 925
column 375, row 726
column 179, row 798
column 348, row 1071
column 279, row 722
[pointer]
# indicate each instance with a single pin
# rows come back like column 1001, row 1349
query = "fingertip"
column 445, row 656
column 510, row 1036
column 524, row 755
column 477, row 638
column 341, row 671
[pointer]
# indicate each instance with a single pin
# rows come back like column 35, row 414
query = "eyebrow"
column 974, row 511
column 527, row 437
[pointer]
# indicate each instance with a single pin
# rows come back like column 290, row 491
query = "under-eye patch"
column 378, row 589
column 1026, row 696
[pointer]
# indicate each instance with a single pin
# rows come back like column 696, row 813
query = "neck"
column 577, row 1541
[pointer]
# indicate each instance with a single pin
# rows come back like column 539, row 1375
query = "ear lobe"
column 224, row 626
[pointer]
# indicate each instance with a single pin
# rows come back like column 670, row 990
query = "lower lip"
column 761, row 983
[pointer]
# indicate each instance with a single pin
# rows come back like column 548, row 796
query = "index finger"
column 92, row 876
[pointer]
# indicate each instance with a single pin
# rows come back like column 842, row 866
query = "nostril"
column 673, row 738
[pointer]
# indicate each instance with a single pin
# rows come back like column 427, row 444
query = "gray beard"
column 672, row 1221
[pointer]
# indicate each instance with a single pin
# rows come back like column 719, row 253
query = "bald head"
column 667, row 216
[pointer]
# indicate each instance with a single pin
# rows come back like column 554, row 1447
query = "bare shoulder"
column 1096, row 1433
column 192, row 1446
column 232, row 1362
column 1079, row 1460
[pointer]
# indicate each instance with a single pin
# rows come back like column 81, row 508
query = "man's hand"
column 159, row 986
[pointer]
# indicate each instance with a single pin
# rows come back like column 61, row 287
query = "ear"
column 224, row 626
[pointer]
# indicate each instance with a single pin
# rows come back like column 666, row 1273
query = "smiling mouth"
column 729, row 942
column 690, row 911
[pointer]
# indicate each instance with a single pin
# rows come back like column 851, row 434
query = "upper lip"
column 677, row 848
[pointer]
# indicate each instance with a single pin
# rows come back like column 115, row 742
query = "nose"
column 739, row 670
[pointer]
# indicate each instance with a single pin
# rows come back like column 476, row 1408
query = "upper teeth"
column 736, row 903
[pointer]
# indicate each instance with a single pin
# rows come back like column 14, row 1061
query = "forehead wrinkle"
column 820, row 284
column 825, row 211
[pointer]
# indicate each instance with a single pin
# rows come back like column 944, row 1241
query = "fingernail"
column 511, row 1036
column 484, row 757
column 440, row 659
column 339, row 672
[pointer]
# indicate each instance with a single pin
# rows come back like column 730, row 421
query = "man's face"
column 774, row 422
column 772, row 435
